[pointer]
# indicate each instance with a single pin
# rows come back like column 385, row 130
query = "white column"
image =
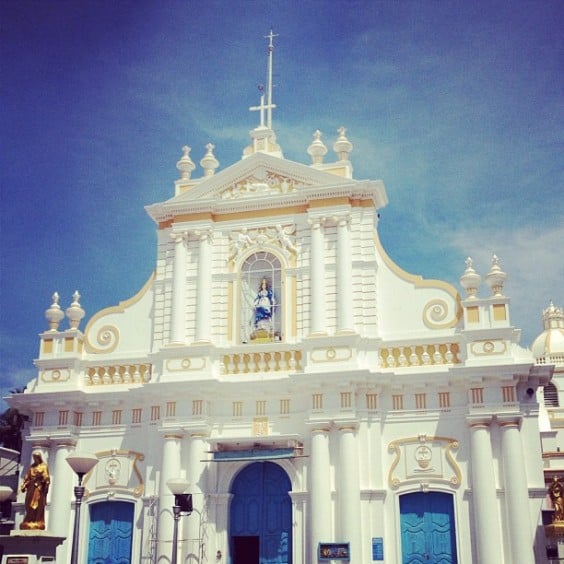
column 349, row 493
column 317, row 278
column 486, row 515
column 218, row 528
column 170, row 468
column 62, row 481
column 203, row 296
column 345, row 321
column 320, row 490
column 300, row 548
column 178, row 307
column 516, row 494
column 196, row 453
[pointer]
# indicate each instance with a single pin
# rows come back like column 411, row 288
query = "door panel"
column 111, row 529
column 261, row 507
column 427, row 528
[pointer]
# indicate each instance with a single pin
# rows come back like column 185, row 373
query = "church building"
column 319, row 403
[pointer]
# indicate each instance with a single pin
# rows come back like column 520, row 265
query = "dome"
column 550, row 343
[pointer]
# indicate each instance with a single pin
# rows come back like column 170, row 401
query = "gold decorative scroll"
column 424, row 459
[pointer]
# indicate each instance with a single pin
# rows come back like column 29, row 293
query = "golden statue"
column 556, row 495
column 36, row 485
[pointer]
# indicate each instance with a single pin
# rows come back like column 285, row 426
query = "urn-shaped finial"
column 209, row 163
column 54, row 314
column 496, row 277
column 342, row 146
column 75, row 312
column 185, row 164
column 317, row 150
column 470, row 280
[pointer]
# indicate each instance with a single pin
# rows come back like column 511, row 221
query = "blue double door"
column 427, row 528
column 111, row 530
column 260, row 520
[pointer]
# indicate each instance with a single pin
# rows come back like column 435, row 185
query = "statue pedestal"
column 555, row 530
column 29, row 547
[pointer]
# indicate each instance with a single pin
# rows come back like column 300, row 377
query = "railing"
column 118, row 374
column 419, row 355
column 263, row 361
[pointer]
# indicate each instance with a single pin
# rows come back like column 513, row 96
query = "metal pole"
column 78, row 494
column 176, row 512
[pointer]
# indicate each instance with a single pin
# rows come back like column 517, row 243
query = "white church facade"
column 321, row 403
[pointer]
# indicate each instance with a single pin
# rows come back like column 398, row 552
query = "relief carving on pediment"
column 261, row 183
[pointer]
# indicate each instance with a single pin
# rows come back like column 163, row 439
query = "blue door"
column 111, row 528
column 260, row 520
column 427, row 528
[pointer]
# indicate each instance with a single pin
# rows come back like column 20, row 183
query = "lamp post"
column 81, row 463
column 182, row 505
column 5, row 494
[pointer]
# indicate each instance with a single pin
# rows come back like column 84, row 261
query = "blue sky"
column 457, row 106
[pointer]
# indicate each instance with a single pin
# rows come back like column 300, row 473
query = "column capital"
column 316, row 222
column 317, row 427
column 64, row 443
column 482, row 420
column 507, row 421
column 204, row 235
column 172, row 433
column 349, row 425
column 179, row 236
column 343, row 219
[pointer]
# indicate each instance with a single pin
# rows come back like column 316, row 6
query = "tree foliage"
column 11, row 425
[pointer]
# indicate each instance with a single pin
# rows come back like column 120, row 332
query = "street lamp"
column 5, row 494
column 182, row 505
column 81, row 463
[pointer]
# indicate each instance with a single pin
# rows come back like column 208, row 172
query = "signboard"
column 334, row 551
column 378, row 548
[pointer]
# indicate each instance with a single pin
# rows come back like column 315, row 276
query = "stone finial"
column 185, row 164
column 54, row 314
column 342, row 146
column 209, row 163
column 470, row 280
column 317, row 150
column 496, row 277
column 75, row 312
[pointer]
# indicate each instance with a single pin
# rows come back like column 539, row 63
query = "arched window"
column 261, row 298
column 550, row 395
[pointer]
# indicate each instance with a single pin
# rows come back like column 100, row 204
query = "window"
column 261, row 298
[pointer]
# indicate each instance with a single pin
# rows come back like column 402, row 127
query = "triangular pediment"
column 262, row 180
column 259, row 175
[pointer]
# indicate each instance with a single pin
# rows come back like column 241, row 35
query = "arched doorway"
column 260, row 517
column 111, row 529
column 427, row 528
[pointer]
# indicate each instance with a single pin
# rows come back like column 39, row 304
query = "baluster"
column 425, row 357
column 402, row 360
column 137, row 375
column 106, row 378
column 126, row 374
column 96, row 376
